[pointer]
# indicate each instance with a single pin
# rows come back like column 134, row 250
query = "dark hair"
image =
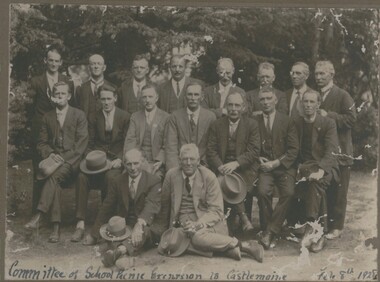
column 139, row 57
column 61, row 83
column 53, row 48
column 149, row 86
column 107, row 87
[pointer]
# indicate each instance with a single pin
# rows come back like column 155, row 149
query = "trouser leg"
column 340, row 205
column 207, row 240
column 81, row 195
column 264, row 197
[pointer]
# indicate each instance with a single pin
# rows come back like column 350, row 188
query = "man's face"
column 133, row 163
column 266, row 77
column 149, row 99
column 235, row 107
column 177, row 68
column 225, row 72
column 53, row 61
column 140, row 69
column 96, row 66
column 268, row 101
column 322, row 76
column 193, row 97
column 108, row 100
column 189, row 163
column 61, row 96
column 298, row 76
column 310, row 104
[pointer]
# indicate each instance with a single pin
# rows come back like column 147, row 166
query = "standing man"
column 107, row 133
column 172, row 93
column 279, row 151
column 196, row 204
column 338, row 105
column 63, row 139
column 215, row 95
column 129, row 92
column 147, row 132
column 265, row 77
column 134, row 196
column 188, row 125
column 299, row 75
column 40, row 90
column 318, row 142
column 88, row 93
column 234, row 145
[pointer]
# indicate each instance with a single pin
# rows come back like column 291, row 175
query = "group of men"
column 171, row 159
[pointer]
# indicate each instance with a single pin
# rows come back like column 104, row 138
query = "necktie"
column 148, row 117
column 324, row 93
column 187, row 185
column 178, row 89
column 232, row 129
column 97, row 84
column 60, row 118
column 108, row 122
column 295, row 104
column 132, row 191
column 267, row 125
column 138, row 94
column 192, row 122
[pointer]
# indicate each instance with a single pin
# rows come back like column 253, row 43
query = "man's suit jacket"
column 98, row 140
column 39, row 91
column 75, row 136
column 285, row 144
column 178, row 134
column 212, row 98
column 341, row 108
column 288, row 94
column 136, row 132
column 324, row 142
column 247, row 146
column 165, row 91
column 254, row 102
column 147, row 200
column 127, row 99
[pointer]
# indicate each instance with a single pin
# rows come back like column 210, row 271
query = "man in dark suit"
column 107, row 133
column 299, row 74
column 135, row 196
column 279, row 151
column 266, row 77
column 63, row 138
column 234, row 145
column 88, row 92
column 338, row 105
column 172, row 93
column 129, row 93
column 40, row 90
column 215, row 95
column 188, row 125
column 147, row 132
column 318, row 166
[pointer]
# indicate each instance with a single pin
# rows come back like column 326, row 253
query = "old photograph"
column 181, row 142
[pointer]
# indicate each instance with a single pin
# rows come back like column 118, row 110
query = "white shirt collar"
column 141, row 83
column 111, row 113
column 181, row 84
column 63, row 111
column 327, row 87
column 236, row 123
column 191, row 179
column 137, row 180
column 53, row 77
column 227, row 87
column 271, row 115
column 151, row 114
column 195, row 113
column 310, row 120
column 301, row 90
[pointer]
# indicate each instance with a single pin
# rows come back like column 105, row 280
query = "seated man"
column 135, row 196
column 234, row 145
column 146, row 132
column 318, row 165
column 63, row 138
column 106, row 133
column 279, row 151
column 196, row 204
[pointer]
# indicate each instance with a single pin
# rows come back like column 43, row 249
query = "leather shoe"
column 246, row 223
column 34, row 222
column 333, row 234
column 110, row 257
column 254, row 249
column 54, row 236
column 307, row 238
column 89, row 240
column 266, row 239
column 234, row 253
column 317, row 247
column 78, row 235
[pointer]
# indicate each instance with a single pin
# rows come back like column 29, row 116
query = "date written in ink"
column 348, row 273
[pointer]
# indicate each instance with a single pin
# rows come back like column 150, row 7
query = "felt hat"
column 95, row 162
column 233, row 187
column 46, row 167
column 307, row 168
column 173, row 243
column 115, row 230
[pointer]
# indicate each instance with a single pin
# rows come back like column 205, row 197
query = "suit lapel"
column 142, row 123
column 316, row 129
column 177, row 192
column 155, row 122
column 185, row 124
column 141, row 185
column 197, row 189
column 240, row 136
column 224, row 131
column 101, row 120
column 202, row 126
column 276, row 127
column 217, row 96
column 69, row 116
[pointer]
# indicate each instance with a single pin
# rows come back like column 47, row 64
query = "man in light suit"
column 215, row 95
column 266, row 77
column 129, row 93
column 147, row 132
column 299, row 75
column 63, row 138
column 172, row 93
column 234, row 145
column 338, row 105
column 196, row 204
column 134, row 195
column 88, row 93
column 40, row 90
column 106, row 133
column 279, row 151
column 188, row 125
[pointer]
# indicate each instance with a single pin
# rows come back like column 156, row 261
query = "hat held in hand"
column 115, row 230
column 233, row 187
column 47, row 167
column 95, row 162
column 174, row 242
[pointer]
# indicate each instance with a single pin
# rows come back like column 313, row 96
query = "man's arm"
column 252, row 153
column 330, row 145
column 152, row 203
column 347, row 116
column 292, row 146
column 213, row 158
column 43, row 146
column 131, row 138
column 171, row 149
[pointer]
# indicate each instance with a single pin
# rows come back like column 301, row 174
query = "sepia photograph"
column 185, row 142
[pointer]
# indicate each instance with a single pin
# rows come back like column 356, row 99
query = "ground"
column 352, row 257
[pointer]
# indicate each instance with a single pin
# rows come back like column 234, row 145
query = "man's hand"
column 57, row 158
column 191, row 227
column 316, row 175
column 322, row 112
column 269, row 165
column 228, row 167
column 156, row 166
column 137, row 234
column 116, row 163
